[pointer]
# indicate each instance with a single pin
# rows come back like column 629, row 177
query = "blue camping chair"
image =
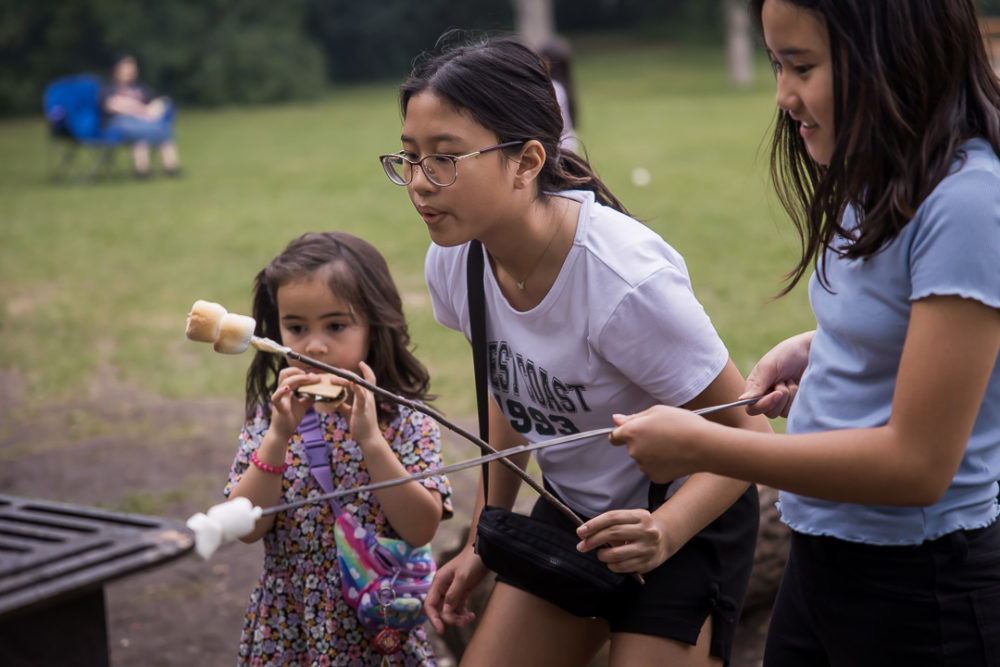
column 74, row 119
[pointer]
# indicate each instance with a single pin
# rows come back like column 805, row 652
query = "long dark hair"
column 504, row 86
column 359, row 275
column 911, row 83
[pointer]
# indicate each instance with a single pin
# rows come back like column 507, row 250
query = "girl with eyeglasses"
column 588, row 313
column 885, row 155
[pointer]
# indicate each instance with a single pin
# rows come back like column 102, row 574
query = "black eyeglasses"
column 441, row 170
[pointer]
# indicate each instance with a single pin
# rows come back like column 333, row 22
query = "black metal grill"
column 54, row 561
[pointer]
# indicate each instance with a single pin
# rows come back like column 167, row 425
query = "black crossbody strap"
column 476, row 268
column 477, row 323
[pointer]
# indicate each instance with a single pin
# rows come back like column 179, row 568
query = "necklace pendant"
column 520, row 284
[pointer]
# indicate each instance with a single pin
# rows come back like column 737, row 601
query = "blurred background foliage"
column 96, row 279
column 215, row 52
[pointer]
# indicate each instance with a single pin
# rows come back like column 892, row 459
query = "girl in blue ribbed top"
column 885, row 155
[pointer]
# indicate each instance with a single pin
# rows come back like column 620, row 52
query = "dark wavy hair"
column 359, row 275
column 911, row 83
column 504, row 86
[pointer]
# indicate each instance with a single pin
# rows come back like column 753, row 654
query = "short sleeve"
column 418, row 445
column 956, row 245
column 444, row 285
column 251, row 436
column 661, row 338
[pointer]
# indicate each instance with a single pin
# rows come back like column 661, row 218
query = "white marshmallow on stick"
column 223, row 523
column 235, row 332
column 203, row 321
column 207, row 534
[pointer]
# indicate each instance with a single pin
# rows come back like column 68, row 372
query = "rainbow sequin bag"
column 384, row 579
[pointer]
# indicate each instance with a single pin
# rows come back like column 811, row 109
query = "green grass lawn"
column 102, row 275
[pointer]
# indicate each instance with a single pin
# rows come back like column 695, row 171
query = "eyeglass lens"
column 439, row 170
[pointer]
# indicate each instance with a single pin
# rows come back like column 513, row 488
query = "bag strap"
column 475, row 270
column 318, row 454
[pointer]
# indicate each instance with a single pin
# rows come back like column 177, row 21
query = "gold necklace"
column 538, row 262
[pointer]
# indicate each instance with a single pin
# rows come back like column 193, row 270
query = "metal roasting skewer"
column 479, row 460
column 716, row 408
column 270, row 346
column 444, row 470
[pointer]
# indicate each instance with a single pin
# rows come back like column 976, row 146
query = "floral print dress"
column 297, row 614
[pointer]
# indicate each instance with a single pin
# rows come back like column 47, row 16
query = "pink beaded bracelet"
column 274, row 470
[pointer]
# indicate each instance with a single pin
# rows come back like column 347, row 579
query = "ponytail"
column 569, row 171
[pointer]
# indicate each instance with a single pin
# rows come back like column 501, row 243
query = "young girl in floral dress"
column 330, row 296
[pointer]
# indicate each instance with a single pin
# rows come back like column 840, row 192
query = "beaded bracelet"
column 274, row 470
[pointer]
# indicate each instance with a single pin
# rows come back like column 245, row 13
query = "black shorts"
column 708, row 575
column 843, row 603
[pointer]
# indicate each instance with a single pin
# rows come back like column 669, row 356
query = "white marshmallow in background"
column 222, row 523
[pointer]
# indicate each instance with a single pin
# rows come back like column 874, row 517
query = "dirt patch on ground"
column 121, row 449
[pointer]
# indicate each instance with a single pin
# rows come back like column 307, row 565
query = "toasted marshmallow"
column 203, row 321
column 235, row 332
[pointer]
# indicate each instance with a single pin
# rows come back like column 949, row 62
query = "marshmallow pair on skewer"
column 230, row 333
column 209, row 322
column 224, row 522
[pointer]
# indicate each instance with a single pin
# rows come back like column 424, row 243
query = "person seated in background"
column 142, row 119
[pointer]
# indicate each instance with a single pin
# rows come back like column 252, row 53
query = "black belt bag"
column 543, row 560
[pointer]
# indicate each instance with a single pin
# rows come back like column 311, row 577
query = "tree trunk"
column 535, row 20
column 738, row 43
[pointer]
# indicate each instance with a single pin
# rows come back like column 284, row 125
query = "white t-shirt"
column 619, row 331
